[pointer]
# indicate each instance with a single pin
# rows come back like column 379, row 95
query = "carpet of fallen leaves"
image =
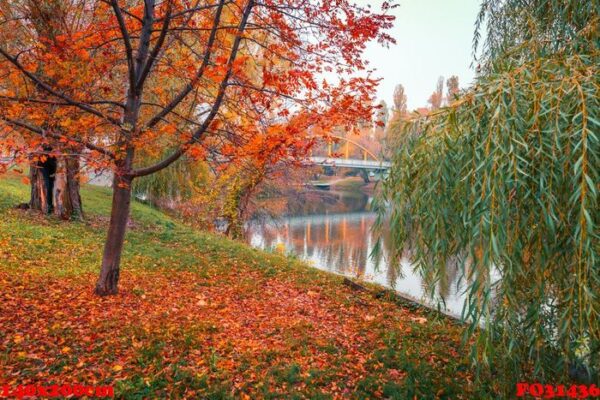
column 236, row 323
column 57, row 330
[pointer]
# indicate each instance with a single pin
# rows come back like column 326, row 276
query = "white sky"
column 434, row 38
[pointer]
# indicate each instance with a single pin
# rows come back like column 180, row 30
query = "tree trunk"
column 73, row 168
column 109, row 274
column 56, row 191
column 121, row 202
column 67, row 200
column 39, row 189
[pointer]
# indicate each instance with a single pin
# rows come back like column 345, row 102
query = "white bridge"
column 347, row 158
column 351, row 163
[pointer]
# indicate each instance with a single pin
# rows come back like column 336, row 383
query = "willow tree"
column 171, row 186
column 504, row 183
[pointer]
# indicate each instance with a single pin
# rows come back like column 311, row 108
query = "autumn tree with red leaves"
column 437, row 97
column 54, row 165
column 171, row 76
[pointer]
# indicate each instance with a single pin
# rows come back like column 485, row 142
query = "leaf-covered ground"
column 199, row 316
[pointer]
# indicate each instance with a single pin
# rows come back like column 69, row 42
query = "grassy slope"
column 202, row 316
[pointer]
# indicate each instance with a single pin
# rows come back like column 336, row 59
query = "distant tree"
column 452, row 88
column 394, row 128
column 400, row 99
column 436, row 98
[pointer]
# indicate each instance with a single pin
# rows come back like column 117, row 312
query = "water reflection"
column 342, row 243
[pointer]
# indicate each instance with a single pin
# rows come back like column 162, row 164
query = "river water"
column 341, row 243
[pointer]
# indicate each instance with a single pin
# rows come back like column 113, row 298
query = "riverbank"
column 350, row 184
column 200, row 316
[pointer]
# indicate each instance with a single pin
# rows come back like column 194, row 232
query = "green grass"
column 201, row 316
column 350, row 184
column 153, row 241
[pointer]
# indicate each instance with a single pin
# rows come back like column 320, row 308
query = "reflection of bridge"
column 346, row 158
column 324, row 219
column 341, row 229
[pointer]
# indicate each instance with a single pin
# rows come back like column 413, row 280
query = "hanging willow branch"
column 506, row 180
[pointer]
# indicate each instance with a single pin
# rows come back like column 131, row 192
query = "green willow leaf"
column 505, row 180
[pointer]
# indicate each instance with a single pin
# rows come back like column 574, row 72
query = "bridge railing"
column 350, row 163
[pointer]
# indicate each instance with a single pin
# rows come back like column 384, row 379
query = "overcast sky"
column 434, row 37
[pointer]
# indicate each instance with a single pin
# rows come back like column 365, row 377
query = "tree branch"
column 42, row 132
column 126, row 41
column 155, row 51
column 190, row 86
column 58, row 103
column 33, row 77
column 216, row 105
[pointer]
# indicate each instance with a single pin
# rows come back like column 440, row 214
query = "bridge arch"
column 355, row 143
